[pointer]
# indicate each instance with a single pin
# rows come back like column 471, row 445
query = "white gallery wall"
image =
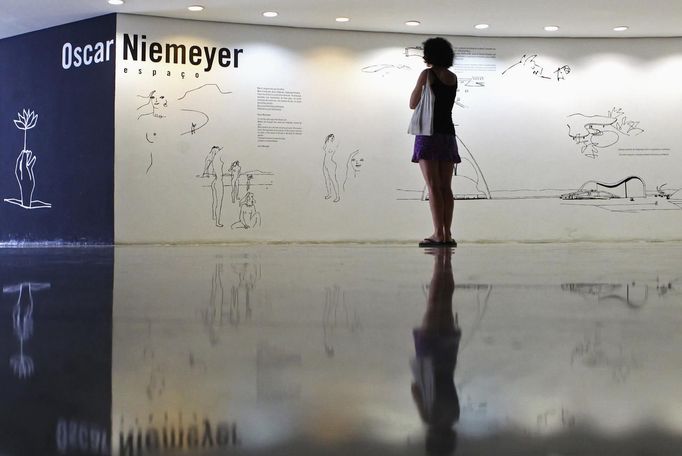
column 303, row 136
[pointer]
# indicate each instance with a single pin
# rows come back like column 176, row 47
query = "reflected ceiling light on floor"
column 270, row 14
column 551, row 28
column 412, row 23
column 343, row 19
column 481, row 26
column 195, row 8
column 620, row 28
column 116, row 2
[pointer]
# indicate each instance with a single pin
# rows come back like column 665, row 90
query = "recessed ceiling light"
column 195, row 8
column 620, row 28
column 551, row 28
column 412, row 23
column 343, row 19
column 116, row 2
column 270, row 14
column 481, row 26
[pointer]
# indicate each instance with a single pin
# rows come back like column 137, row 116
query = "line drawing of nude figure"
column 214, row 168
column 235, row 172
column 329, row 167
column 249, row 217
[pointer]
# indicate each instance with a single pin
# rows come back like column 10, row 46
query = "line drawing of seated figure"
column 249, row 217
column 214, row 168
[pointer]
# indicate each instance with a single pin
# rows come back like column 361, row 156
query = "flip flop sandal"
column 428, row 242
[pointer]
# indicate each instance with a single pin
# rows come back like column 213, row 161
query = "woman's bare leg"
column 445, row 171
column 430, row 171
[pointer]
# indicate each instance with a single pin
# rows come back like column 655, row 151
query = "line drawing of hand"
column 24, row 174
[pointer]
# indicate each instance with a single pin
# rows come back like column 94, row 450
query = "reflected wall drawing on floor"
column 230, row 301
column 337, row 314
column 634, row 294
column 22, row 323
column 595, row 352
column 23, row 169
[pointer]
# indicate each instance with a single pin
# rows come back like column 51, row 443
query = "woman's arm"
column 417, row 92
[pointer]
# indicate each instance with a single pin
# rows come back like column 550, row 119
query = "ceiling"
column 576, row 18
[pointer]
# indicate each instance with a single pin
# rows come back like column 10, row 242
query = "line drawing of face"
column 356, row 161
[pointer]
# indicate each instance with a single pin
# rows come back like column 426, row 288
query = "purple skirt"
column 439, row 146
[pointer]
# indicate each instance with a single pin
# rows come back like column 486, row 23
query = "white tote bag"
column 422, row 117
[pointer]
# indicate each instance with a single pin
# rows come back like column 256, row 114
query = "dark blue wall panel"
column 72, row 141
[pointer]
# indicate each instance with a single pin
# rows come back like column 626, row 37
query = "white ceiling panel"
column 576, row 18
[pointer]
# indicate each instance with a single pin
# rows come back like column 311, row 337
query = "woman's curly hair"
column 438, row 51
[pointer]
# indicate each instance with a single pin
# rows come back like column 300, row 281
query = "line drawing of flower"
column 27, row 121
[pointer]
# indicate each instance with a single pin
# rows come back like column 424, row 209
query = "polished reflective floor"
column 552, row 350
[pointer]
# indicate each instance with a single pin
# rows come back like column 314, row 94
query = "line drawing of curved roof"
column 595, row 193
column 479, row 180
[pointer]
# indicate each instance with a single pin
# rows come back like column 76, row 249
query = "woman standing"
column 437, row 154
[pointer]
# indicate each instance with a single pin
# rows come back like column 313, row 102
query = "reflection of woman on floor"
column 214, row 166
column 249, row 217
column 235, row 170
column 329, row 168
column 436, row 343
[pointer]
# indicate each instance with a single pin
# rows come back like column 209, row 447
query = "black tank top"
column 444, row 100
